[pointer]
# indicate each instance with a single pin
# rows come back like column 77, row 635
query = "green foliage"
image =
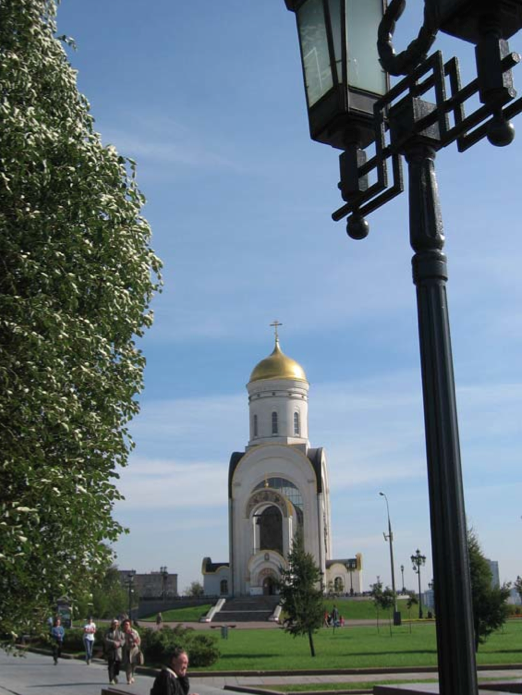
column 158, row 645
column 109, row 597
column 490, row 609
column 301, row 593
column 76, row 280
column 195, row 589
column 383, row 599
column 73, row 640
column 518, row 586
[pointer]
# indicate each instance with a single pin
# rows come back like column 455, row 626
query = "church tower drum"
column 279, row 485
column 278, row 401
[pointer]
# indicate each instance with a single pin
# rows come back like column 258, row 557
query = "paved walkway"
column 35, row 674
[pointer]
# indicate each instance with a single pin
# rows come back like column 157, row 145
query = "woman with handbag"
column 114, row 639
column 131, row 653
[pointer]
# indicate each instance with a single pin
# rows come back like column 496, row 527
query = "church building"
column 277, row 487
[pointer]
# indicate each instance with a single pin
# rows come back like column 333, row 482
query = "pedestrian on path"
column 57, row 635
column 130, row 649
column 89, row 630
column 114, row 639
column 173, row 680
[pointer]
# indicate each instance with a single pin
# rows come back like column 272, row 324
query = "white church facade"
column 277, row 487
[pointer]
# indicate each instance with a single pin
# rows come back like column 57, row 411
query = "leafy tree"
column 76, row 278
column 109, row 597
column 301, row 593
column 412, row 601
column 195, row 589
column 383, row 599
column 490, row 609
column 518, row 586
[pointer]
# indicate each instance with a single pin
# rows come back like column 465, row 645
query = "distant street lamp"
column 417, row 561
column 130, row 587
column 389, row 537
column 351, row 566
column 402, row 572
column 164, row 574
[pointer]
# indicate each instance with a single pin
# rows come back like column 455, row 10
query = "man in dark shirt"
column 173, row 680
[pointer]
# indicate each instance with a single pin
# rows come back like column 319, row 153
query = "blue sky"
column 208, row 98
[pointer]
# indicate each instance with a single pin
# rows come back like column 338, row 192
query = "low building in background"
column 160, row 585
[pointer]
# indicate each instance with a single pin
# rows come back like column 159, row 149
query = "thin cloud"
column 164, row 484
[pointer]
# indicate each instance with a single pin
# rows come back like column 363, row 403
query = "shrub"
column 73, row 640
column 203, row 650
column 158, row 645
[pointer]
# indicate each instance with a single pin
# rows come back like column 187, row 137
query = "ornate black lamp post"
column 164, row 574
column 351, row 566
column 389, row 537
column 350, row 108
column 130, row 587
column 417, row 562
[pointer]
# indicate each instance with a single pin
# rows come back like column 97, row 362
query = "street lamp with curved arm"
column 389, row 537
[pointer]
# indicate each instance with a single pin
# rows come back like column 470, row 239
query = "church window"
column 297, row 424
column 289, row 490
column 223, row 587
column 270, row 523
column 255, row 425
column 274, row 423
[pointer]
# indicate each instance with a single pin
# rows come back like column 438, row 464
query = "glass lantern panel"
column 334, row 7
column 314, row 50
column 362, row 22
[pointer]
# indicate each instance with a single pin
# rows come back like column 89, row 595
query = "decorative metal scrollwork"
column 418, row 49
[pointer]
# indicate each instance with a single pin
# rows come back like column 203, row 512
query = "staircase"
column 247, row 609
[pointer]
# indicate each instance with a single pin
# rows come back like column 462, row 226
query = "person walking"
column 89, row 630
column 57, row 635
column 114, row 639
column 130, row 649
column 173, row 680
column 159, row 619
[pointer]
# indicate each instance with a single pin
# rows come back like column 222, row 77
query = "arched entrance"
column 269, row 586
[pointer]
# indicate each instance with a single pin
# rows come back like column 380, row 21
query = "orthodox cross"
column 276, row 324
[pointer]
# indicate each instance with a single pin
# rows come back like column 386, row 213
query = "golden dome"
column 278, row 366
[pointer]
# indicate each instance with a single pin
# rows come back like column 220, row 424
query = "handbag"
column 140, row 659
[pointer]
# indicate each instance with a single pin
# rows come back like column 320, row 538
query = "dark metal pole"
column 455, row 635
column 396, row 614
column 420, row 592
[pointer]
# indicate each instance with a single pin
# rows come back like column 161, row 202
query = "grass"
column 359, row 685
column 364, row 609
column 314, row 687
column 351, row 609
column 182, row 615
column 358, row 647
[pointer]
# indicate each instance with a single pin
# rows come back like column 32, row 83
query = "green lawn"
column 357, row 647
column 359, row 685
column 350, row 609
column 359, row 609
column 182, row 615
